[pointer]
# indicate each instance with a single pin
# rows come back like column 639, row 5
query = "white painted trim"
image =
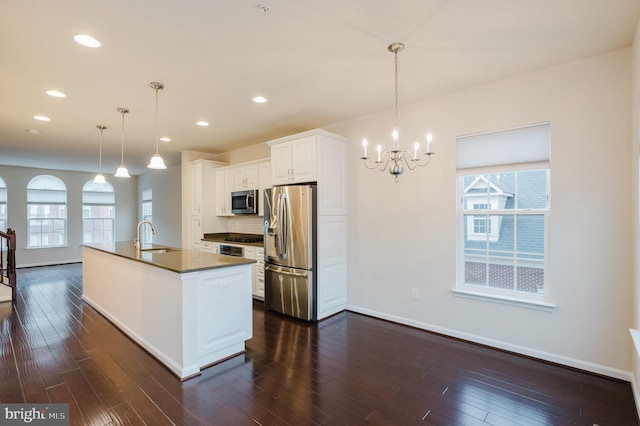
column 62, row 262
column 180, row 371
column 522, row 350
column 505, row 299
column 636, row 394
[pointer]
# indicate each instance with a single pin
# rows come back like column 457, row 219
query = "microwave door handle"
column 246, row 201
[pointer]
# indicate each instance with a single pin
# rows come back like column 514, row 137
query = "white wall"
column 17, row 179
column 635, row 196
column 402, row 236
column 166, row 187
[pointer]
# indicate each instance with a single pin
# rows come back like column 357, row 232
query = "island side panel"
column 143, row 301
column 224, row 306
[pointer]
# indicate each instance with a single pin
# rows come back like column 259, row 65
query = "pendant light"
column 100, row 177
column 156, row 161
column 122, row 170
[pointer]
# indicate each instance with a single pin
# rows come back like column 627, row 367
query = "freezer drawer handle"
column 279, row 271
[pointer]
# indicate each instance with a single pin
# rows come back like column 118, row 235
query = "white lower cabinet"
column 210, row 247
column 258, row 274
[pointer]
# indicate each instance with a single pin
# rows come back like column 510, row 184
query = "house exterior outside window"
column 46, row 212
column 98, row 212
column 502, row 246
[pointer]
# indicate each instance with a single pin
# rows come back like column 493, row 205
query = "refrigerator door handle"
column 285, row 227
column 294, row 274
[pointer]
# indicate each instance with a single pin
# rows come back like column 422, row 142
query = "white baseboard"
column 534, row 353
column 62, row 262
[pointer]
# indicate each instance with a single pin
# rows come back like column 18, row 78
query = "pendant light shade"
column 100, row 177
column 156, row 161
column 122, row 170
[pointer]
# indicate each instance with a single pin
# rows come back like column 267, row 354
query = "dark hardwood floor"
column 348, row 369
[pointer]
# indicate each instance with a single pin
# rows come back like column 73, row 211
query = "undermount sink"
column 159, row 250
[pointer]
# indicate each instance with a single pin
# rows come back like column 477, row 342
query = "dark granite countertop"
column 173, row 259
column 223, row 237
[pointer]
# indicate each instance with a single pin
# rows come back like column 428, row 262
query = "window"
column 147, row 210
column 3, row 205
column 46, row 212
column 98, row 212
column 503, row 214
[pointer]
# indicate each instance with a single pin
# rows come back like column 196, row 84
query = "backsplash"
column 246, row 224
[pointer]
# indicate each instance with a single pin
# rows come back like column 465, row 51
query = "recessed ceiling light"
column 56, row 94
column 86, row 40
column 259, row 100
column 41, row 118
column 165, row 139
column 202, row 123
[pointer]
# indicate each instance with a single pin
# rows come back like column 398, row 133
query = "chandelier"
column 396, row 159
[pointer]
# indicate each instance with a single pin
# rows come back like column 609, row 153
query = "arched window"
column 46, row 212
column 3, row 205
column 147, row 213
column 98, row 212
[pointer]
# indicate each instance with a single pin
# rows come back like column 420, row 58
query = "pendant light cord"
column 157, row 143
column 122, row 140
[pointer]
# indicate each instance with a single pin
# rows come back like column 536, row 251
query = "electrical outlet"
column 415, row 294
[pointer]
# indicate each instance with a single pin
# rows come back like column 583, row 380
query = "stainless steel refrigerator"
column 290, row 250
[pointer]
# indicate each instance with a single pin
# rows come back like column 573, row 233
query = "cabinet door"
column 196, row 188
column 252, row 176
column 280, row 163
column 221, row 203
column 196, row 232
column 264, row 182
column 303, row 159
column 228, row 188
column 239, row 178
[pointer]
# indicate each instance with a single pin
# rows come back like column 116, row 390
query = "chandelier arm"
column 408, row 160
column 426, row 161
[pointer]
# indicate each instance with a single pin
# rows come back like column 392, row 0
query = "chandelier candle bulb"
column 429, row 138
column 364, row 146
column 379, row 149
column 394, row 135
column 416, row 146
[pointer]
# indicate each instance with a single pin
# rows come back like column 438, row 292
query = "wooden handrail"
column 10, row 238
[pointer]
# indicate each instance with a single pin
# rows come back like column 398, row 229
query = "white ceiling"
column 317, row 61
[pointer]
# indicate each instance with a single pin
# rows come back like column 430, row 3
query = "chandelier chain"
column 396, row 87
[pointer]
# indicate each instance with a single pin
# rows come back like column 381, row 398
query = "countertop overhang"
column 175, row 260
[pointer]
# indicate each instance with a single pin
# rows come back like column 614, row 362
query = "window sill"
column 505, row 300
column 47, row 247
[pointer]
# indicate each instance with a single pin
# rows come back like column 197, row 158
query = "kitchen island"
column 189, row 309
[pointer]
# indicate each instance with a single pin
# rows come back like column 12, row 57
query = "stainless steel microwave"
column 244, row 202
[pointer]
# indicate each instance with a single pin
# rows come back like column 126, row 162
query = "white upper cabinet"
column 265, row 182
column 293, row 161
column 246, row 177
column 196, row 187
column 224, row 186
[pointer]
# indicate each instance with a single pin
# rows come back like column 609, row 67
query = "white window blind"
column 98, row 194
column 515, row 146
